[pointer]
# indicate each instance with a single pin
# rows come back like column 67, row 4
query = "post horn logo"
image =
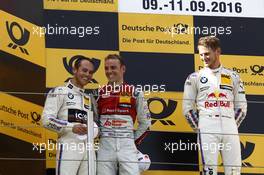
column 257, row 69
column 168, row 109
column 246, row 152
column 17, row 42
column 35, row 118
column 69, row 65
column 180, row 28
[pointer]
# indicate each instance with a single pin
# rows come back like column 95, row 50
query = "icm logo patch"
column 168, row 109
column 19, row 40
column 76, row 115
column 69, row 65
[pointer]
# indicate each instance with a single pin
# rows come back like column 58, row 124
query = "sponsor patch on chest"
column 77, row 115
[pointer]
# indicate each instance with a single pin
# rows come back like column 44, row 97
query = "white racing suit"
column 64, row 107
column 118, row 112
column 215, row 105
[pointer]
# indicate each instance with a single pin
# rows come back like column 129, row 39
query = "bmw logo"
column 70, row 95
column 203, row 80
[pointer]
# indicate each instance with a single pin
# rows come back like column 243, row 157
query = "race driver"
column 65, row 112
column 119, row 106
column 214, row 104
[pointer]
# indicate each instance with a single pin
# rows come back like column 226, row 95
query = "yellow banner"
column 156, row 33
column 60, row 62
column 249, row 68
column 82, row 5
column 22, row 39
column 20, row 119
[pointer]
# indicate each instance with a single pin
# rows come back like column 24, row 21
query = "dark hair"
column 79, row 60
column 115, row 57
column 209, row 42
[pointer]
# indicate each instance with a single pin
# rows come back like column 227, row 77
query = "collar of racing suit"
column 70, row 85
column 215, row 70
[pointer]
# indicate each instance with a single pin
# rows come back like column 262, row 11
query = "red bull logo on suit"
column 212, row 100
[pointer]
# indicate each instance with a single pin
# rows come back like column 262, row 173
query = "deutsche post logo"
column 18, row 40
column 35, row 118
column 181, row 28
column 257, row 70
column 246, row 152
column 168, row 109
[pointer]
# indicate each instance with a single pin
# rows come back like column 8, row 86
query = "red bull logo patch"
column 222, row 95
column 214, row 102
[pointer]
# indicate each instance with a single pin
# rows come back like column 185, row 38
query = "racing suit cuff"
column 192, row 118
column 239, row 116
column 141, row 138
column 68, row 127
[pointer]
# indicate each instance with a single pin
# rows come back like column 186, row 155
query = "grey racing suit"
column 118, row 111
column 64, row 107
column 214, row 104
